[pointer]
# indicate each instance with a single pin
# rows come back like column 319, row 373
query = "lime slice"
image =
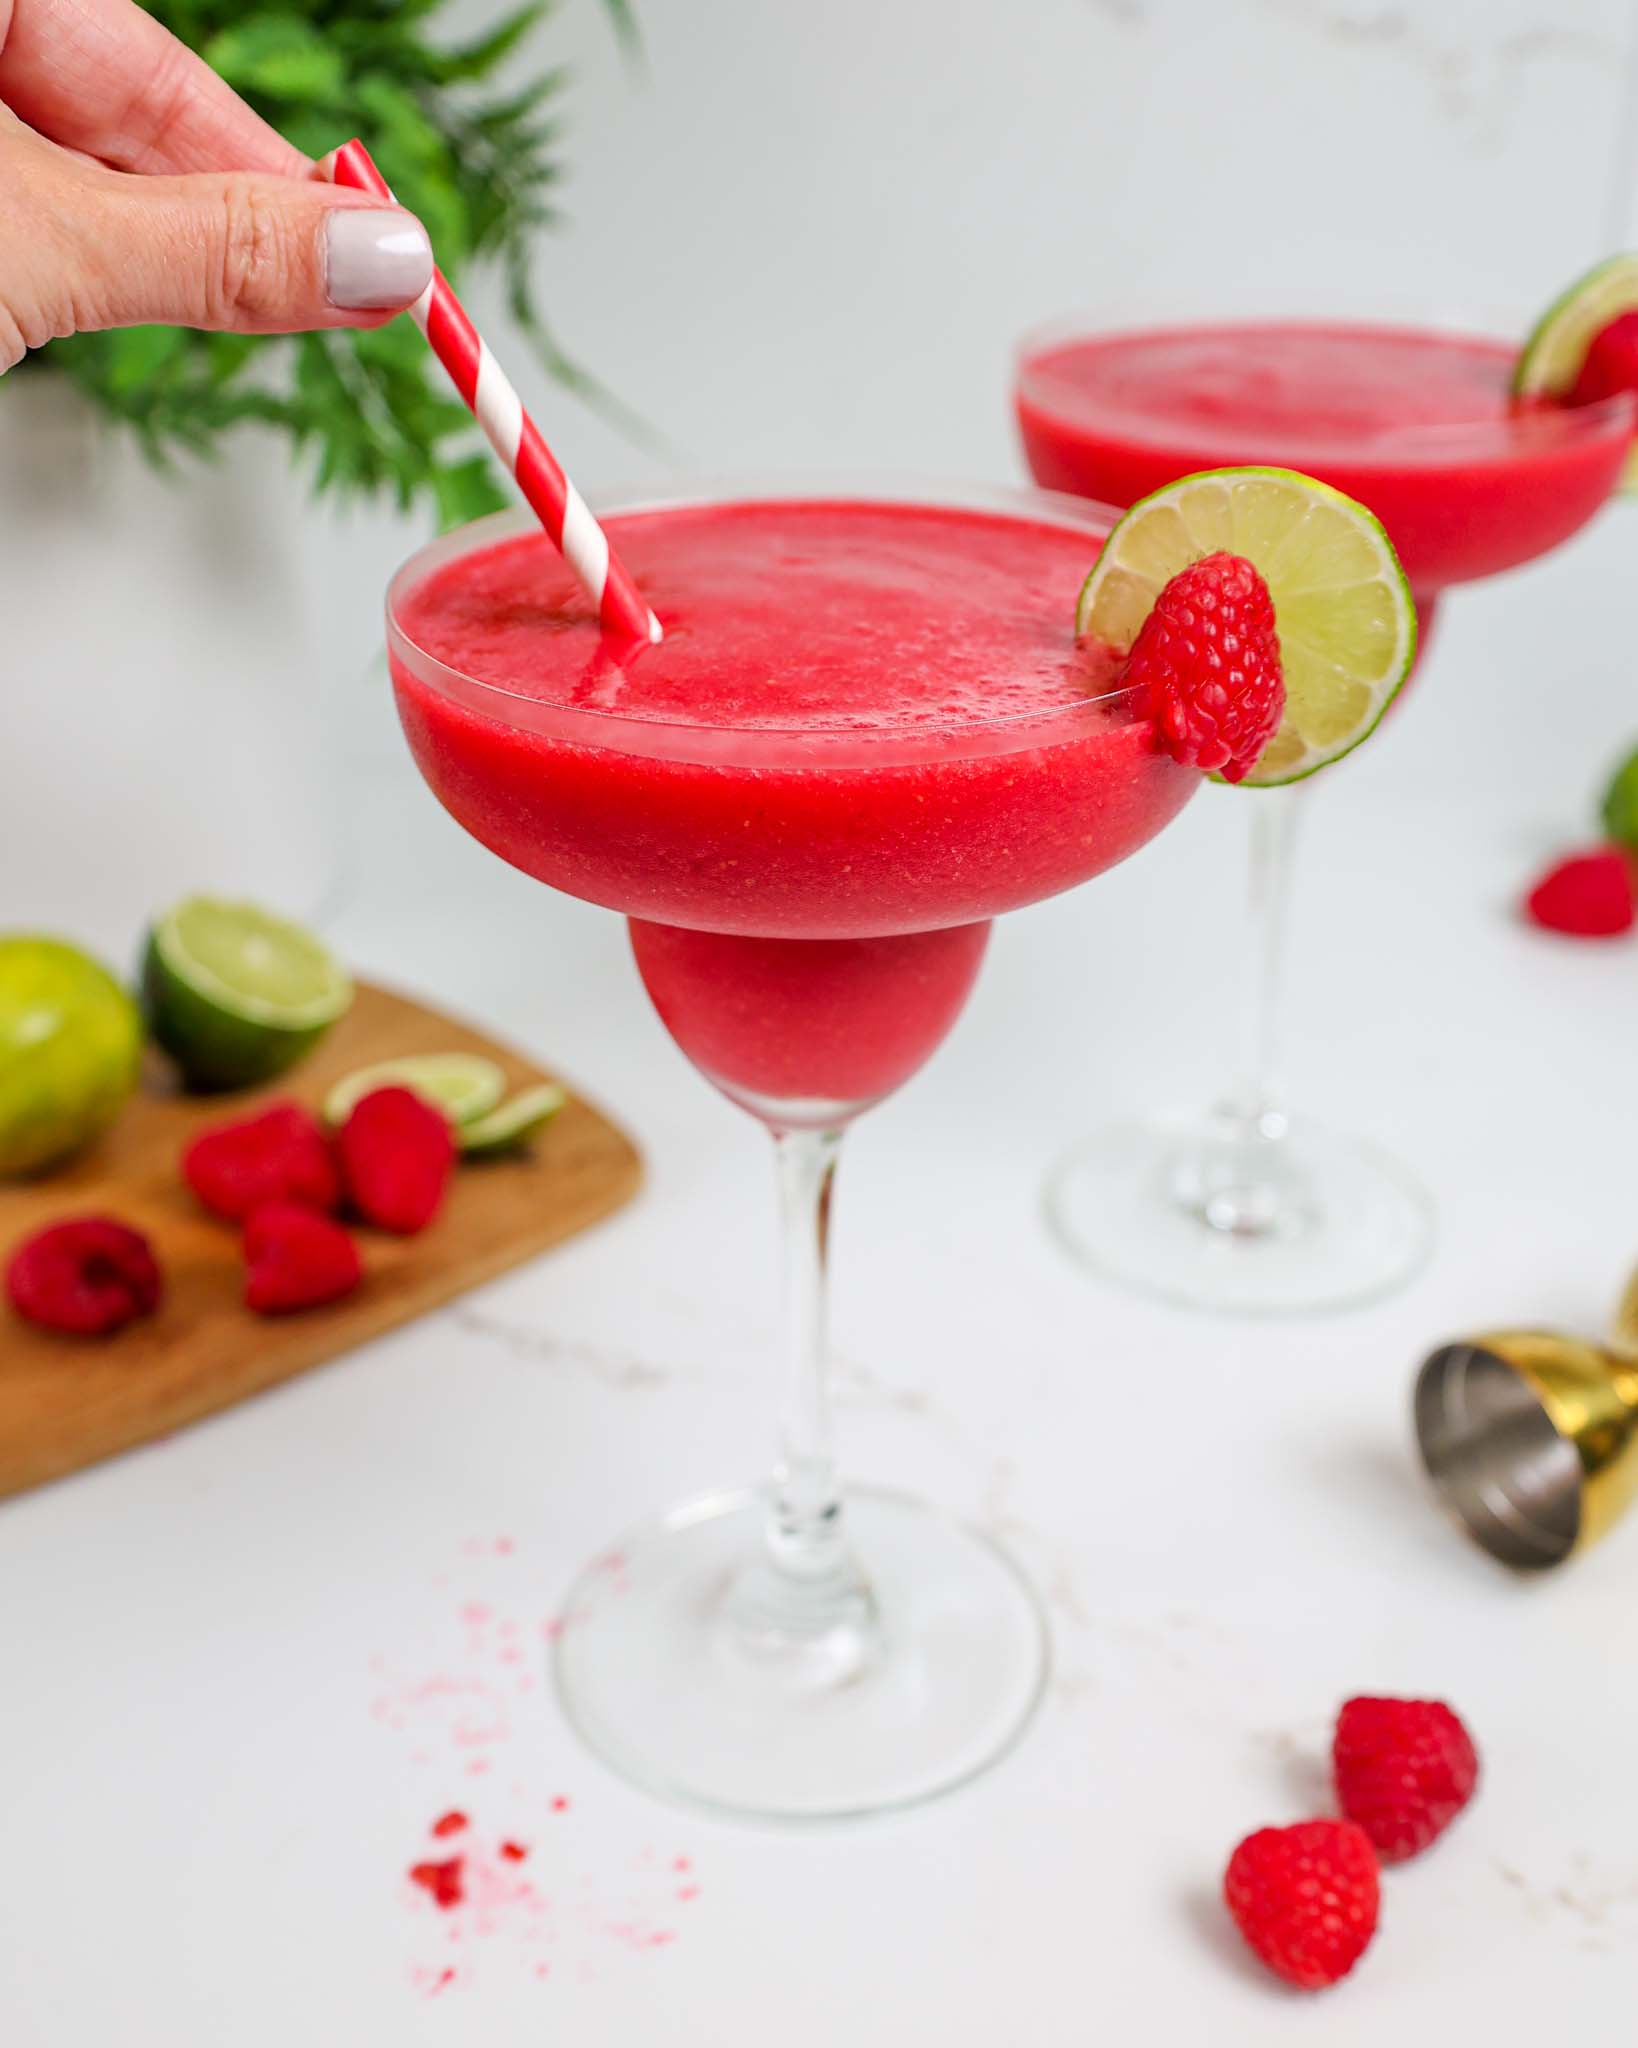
column 463, row 1085
column 1343, row 608
column 1551, row 359
column 70, row 1046
column 236, row 995
column 511, row 1126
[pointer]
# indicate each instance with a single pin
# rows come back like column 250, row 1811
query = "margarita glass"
column 867, row 731
column 1245, row 1206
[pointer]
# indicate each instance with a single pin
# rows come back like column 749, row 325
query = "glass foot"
column 1278, row 1218
column 928, row 1678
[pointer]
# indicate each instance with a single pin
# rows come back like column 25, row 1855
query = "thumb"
column 247, row 253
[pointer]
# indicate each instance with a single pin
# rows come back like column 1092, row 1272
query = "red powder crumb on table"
column 514, row 1852
column 452, row 1823
column 560, row 1804
column 442, row 1881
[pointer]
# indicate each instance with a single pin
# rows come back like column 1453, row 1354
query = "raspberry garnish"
column 1305, row 1898
column 1208, row 656
column 1611, row 363
column 295, row 1259
column 396, row 1155
column 1404, row 1770
column 280, row 1155
column 1589, row 895
column 88, row 1277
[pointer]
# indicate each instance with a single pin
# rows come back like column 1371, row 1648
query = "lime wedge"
column 1551, row 360
column 236, row 995
column 463, row 1085
column 510, row 1127
column 1346, row 622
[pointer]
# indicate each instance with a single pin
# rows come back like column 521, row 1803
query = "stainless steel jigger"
column 1531, row 1437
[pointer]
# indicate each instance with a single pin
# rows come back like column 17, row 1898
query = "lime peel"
column 513, row 1123
column 1551, row 359
column 70, row 1051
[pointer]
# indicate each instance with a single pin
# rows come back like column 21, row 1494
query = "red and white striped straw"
column 515, row 438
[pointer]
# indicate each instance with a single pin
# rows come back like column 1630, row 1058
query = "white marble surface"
column 243, row 1671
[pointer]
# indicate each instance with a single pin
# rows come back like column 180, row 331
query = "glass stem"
column 803, row 1605
column 803, row 1608
column 805, row 1522
column 1256, row 1103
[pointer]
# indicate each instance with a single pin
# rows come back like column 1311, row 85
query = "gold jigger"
column 1532, row 1437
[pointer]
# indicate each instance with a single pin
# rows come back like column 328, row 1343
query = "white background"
column 808, row 237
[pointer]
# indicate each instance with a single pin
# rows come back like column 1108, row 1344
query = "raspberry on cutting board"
column 296, row 1258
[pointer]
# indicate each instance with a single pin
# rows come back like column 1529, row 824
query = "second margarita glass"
column 1243, row 1205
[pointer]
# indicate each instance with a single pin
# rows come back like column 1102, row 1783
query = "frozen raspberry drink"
column 868, row 730
column 1418, row 425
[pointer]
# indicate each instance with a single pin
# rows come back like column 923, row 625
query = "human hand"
column 136, row 186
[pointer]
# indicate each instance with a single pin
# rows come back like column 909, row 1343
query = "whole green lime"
column 70, row 1048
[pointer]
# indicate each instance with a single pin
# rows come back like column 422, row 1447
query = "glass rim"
column 1165, row 316
column 1023, row 502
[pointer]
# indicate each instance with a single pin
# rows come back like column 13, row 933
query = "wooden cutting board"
column 68, row 1401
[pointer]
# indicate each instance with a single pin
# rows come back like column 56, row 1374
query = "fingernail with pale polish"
column 375, row 261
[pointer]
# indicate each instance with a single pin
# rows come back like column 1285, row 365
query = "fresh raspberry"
column 1305, row 1898
column 296, row 1259
column 89, row 1277
column 1404, row 1770
column 1208, row 657
column 396, row 1156
column 1611, row 364
column 280, row 1155
column 1588, row 895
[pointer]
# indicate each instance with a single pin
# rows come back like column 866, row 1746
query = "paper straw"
column 515, row 438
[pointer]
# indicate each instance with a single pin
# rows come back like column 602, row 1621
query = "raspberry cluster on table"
column 1307, row 1898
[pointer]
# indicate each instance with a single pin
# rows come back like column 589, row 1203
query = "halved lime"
column 1551, row 360
column 513, row 1124
column 70, row 1047
column 236, row 995
column 1346, row 622
column 463, row 1085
